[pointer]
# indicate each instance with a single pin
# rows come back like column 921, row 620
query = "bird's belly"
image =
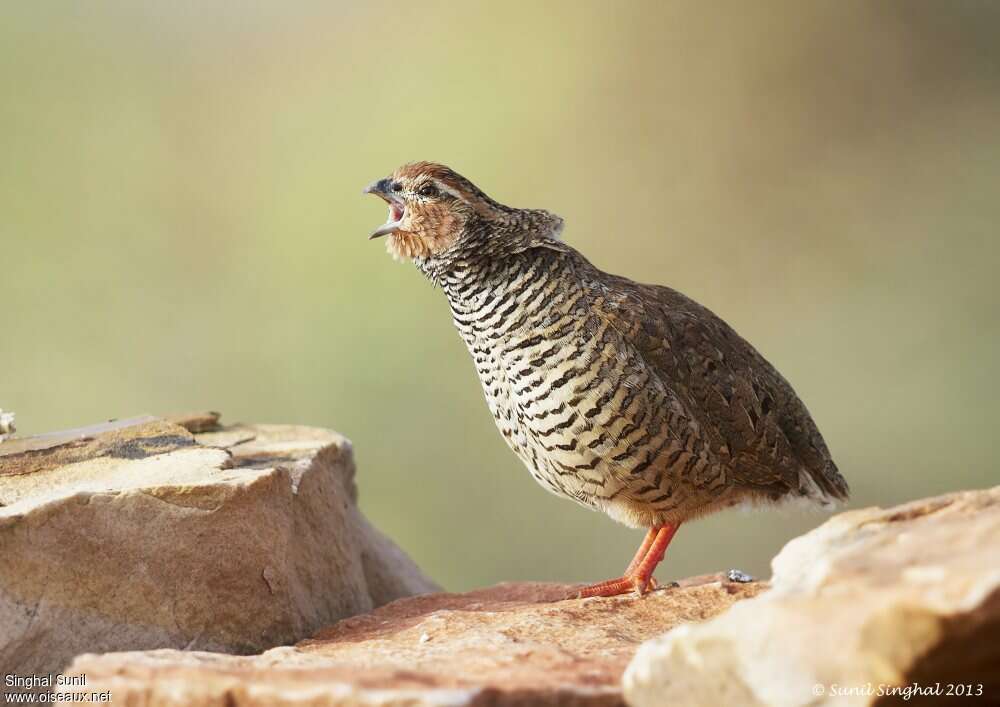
column 538, row 425
column 596, row 430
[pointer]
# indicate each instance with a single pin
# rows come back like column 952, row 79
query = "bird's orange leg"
column 641, row 552
column 638, row 575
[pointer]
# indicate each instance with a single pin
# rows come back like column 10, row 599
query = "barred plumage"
column 627, row 398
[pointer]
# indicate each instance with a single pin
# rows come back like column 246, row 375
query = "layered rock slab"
column 142, row 534
column 872, row 601
column 513, row 644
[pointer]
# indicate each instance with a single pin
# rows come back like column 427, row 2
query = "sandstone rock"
column 871, row 599
column 139, row 534
column 514, row 644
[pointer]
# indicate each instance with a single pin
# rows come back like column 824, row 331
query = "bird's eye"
column 397, row 186
column 428, row 190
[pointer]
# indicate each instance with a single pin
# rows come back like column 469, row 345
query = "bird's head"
column 433, row 208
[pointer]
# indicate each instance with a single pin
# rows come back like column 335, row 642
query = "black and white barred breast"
column 629, row 398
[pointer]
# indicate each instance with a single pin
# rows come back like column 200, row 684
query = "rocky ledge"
column 202, row 542
column 871, row 599
column 513, row 644
column 155, row 533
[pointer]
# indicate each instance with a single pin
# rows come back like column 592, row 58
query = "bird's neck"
column 489, row 248
column 490, row 295
column 457, row 263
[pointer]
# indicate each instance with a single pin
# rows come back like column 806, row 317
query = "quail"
column 627, row 398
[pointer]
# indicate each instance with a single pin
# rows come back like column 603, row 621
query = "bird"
column 627, row 398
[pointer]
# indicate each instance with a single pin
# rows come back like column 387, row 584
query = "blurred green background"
column 182, row 228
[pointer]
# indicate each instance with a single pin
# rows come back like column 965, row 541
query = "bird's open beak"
column 397, row 209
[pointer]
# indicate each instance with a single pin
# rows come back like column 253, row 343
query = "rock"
column 872, row 599
column 514, row 644
column 139, row 534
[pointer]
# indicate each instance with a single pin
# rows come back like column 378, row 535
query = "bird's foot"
column 634, row 582
column 638, row 577
column 613, row 588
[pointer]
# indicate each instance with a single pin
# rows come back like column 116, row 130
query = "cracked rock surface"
column 144, row 534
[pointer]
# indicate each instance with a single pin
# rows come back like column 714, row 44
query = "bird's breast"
column 540, row 358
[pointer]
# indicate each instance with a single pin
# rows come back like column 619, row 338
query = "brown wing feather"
column 747, row 413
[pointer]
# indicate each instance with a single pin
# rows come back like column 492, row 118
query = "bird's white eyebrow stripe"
column 445, row 188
